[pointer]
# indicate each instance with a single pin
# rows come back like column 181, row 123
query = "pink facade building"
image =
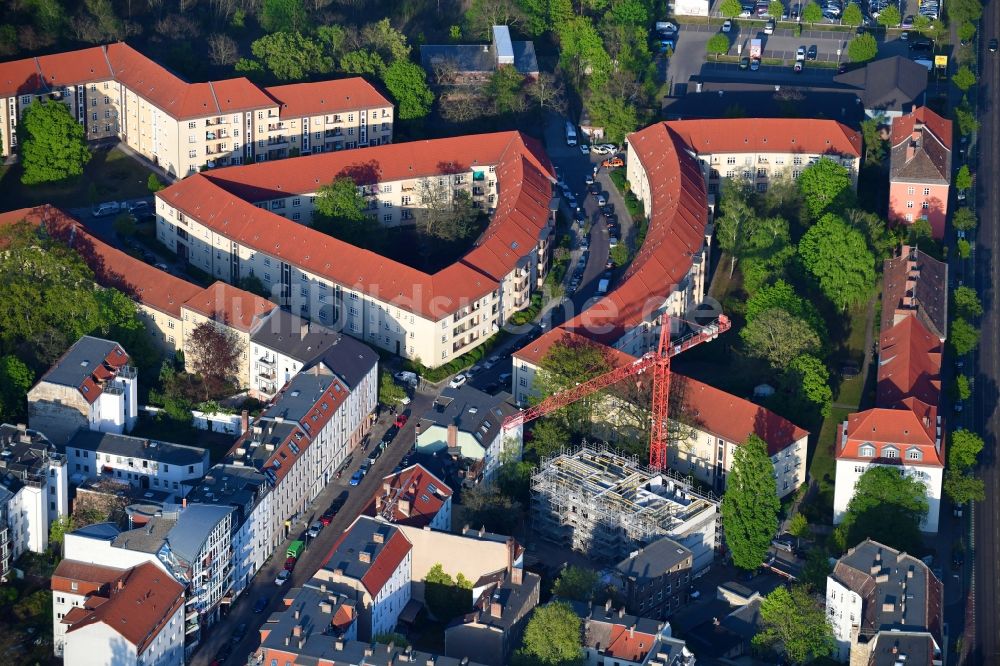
column 920, row 169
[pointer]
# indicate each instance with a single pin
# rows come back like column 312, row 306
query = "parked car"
column 106, row 208
column 401, row 420
column 282, row 577
column 727, row 26
column 797, row 67
column 921, row 45
column 585, row 149
column 994, row 45
column 811, row 52
column 356, row 477
column 261, row 604
column 907, row 23
column 138, row 207
column 240, row 632
column 769, row 27
column 491, row 361
column 800, row 53
column 613, row 163
column 290, row 563
column 504, row 377
column 602, row 199
column 613, row 241
column 745, row 62
column 595, row 188
column 783, row 544
column 589, row 179
column 327, row 518
column 457, row 381
column 314, row 529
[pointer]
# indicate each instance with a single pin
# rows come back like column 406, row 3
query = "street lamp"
column 838, row 56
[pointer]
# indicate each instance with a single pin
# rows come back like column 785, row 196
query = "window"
column 867, row 451
column 296, row 202
column 911, row 190
column 927, row 191
column 190, row 469
column 192, row 153
column 295, row 216
column 730, row 160
column 107, row 113
column 797, row 161
column 914, row 454
column 93, row 116
column 192, row 125
column 73, row 585
column 925, row 205
column 909, row 217
column 387, row 218
column 909, row 204
column 386, row 204
column 386, row 189
column 304, row 291
column 889, row 452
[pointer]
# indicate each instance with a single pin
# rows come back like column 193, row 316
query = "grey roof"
column 349, row 359
column 604, row 614
column 138, row 447
column 889, row 84
column 233, row 485
column 105, row 531
column 654, row 560
column 899, row 647
column 720, row 99
column 898, row 591
column 372, row 537
column 193, row 527
column 470, row 409
column 478, row 58
column 79, row 361
column 502, row 44
column 150, row 537
column 514, row 600
column 300, row 395
column 25, row 456
column 294, row 336
column 322, row 644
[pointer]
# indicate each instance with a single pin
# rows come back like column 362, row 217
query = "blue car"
column 261, row 604
column 356, row 478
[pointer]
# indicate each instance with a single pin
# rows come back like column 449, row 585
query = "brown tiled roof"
column 323, row 97
column 231, row 305
column 902, row 126
column 413, row 486
column 904, row 428
column 909, row 365
column 221, row 201
column 139, row 605
column 914, row 283
column 88, row 577
column 921, row 148
column 761, row 135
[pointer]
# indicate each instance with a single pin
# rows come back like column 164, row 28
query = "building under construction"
column 606, row 505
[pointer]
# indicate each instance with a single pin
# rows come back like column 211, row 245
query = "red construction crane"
column 658, row 361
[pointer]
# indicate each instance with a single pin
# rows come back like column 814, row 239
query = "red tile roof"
column 88, row 577
column 74, row 67
column 774, row 135
column 730, row 417
column 412, row 485
column 146, row 284
column 323, row 97
column 902, row 126
column 629, row 645
column 140, row 604
column 536, row 350
column 221, row 200
column 909, row 364
column 386, row 562
column 911, row 426
column 231, row 305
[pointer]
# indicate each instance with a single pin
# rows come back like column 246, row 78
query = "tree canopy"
column 826, row 187
column 15, row 380
column 576, row 583
column 407, row 82
column 838, row 257
column 553, row 637
column 718, row 44
column 966, row 302
column 750, row 506
column 446, row 596
column 812, row 13
column 782, row 295
column 53, row 145
column 889, row 17
column 794, row 623
column 568, row 362
column 730, row 9
column 215, row 353
column 964, row 450
column 963, row 179
column 852, row 15
column 964, row 78
column 887, row 506
column 863, row 47
column 964, row 219
column 779, row 337
column 809, row 381
column 963, row 337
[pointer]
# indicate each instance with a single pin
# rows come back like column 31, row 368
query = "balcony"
column 217, row 149
column 276, row 127
column 267, row 374
column 478, row 192
column 211, row 122
column 277, row 141
column 209, row 136
column 264, row 360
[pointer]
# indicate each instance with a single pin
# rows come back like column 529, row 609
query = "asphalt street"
column 219, row 639
column 986, row 587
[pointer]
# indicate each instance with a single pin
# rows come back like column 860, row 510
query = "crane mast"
column 657, row 362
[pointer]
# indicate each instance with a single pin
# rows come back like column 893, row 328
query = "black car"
column 812, row 52
column 612, row 219
column 580, row 215
column 240, row 632
column 595, row 188
column 261, row 605
column 921, row 45
column 608, row 210
column 993, row 45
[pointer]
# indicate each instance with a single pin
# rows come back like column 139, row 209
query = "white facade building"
column 34, row 490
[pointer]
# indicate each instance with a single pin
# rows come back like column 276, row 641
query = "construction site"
column 606, row 505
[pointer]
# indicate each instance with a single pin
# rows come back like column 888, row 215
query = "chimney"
column 404, row 507
column 496, row 609
column 378, row 537
column 368, row 650
column 297, row 629
column 631, row 631
column 607, row 606
column 621, row 612
column 387, row 487
column 184, row 503
column 364, row 556
column 338, row 644
column 516, row 576
column 303, row 328
column 244, row 421
column 378, row 503
column 288, row 640
column 298, row 613
column 452, row 435
column 911, row 150
column 302, row 642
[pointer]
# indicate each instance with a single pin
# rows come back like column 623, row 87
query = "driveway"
column 220, row 635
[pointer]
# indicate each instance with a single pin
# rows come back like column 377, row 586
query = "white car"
column 585, row 149
column 457, row 381
column 800, row 54
column 601, row 200
column 727, row 26
column 282, row 577
column 314, row 530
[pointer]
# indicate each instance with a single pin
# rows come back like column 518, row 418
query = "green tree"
column 283, row 16
column 964, row 219
column 730, row 9
column 488, row 507
column 963, row 179
column 779, row 337
column 389, row 392
column 960, row 388
column 407, row 82
column 839, row 258
column 15, row 380
column 963, row 487
column 852, row 15
column 782, row 295
column 795, row 624
column 718, row 44
column 290, row 56
column 964, row 78
column 810, row 382
column 826, row 186
column 340, row 212
column 882, row 240
column 964, row 337
column 582, row 50
column 798, row 526
column 362, row 61
column 889, row 17
column 862, row 48
column 576, row 583
column 153, row 184
column 812, row 13
column 964, row 451
column 630, row 12
column 776, row 9
column 58, row 530
column 124, row 225
column 397, row 639
column 966, row 31
column 568, row 362
column 875, row 145
column 549, row 436
column 966, row 302
column 735, row 226
column 618, row 116
column 447, row 597
column 750, row 506
column 386, row 41
column 504, row 89
column 966, row 119
column 964, row 248
column 887, row 506
column 816, row 569
column 53, row 143
column 553, row 637
column 965, row 10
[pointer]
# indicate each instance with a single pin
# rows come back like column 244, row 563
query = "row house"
column 135, row 461
column 251, row 221
column 91, row 386
column 920, row 169
column 118, row 93
column 305, row 435
column 760, row 150
column 34, row 492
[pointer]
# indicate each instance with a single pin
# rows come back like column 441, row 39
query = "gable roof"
column 921, row 148
column 627, row 644
column 891, row 84
column 87, row 365
column 324, row 97
column 762, row 135
column 195, row 523
column 236, row 308
column 909, row 365
column 139, row 605
column 921, row 118
column 383, row 545
column 914, row 283
column 413, row 496
column 88, row 577
column 899, row 429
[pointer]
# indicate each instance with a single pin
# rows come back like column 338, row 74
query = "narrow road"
column 986, row 418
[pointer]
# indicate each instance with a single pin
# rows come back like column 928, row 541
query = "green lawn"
column 822, row 468
column 110, row 175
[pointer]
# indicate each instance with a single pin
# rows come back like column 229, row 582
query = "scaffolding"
column 607, row 505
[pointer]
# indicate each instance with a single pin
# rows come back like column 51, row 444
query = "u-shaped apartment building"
column 252, row 220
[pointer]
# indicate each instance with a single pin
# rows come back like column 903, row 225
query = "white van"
column 570, row 134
